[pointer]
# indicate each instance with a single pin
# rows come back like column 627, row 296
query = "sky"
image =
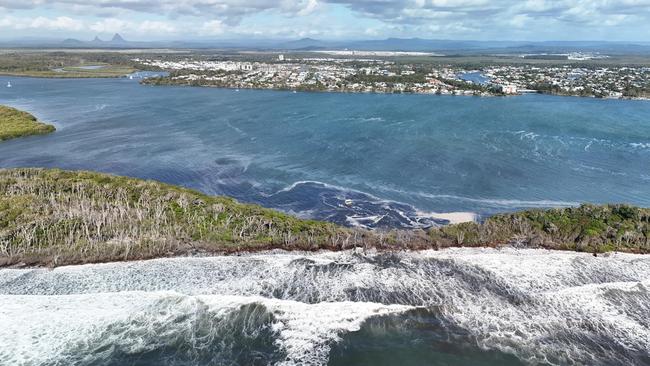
column 520, row 20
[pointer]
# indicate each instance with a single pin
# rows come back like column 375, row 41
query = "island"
column 15, row 123
column 51, row 217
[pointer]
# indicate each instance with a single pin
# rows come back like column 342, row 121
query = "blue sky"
column 534, row 20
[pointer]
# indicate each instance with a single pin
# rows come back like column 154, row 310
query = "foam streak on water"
column 371, row 160
column 291, row 308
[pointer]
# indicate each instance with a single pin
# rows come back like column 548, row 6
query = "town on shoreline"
column 368, row 73
column 571, row 74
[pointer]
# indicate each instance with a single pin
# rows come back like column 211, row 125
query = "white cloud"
column 309, row 8
column 58, row 23
column 211, row 28
column 104, row 26
column 229, row 11
column 147, row 27
column 110, row 25
column 519, row 20
column 55, row 24
column 157, row 27
column 442, row 18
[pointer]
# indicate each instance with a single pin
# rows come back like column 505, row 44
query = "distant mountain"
column 117, row 39
column 71, row 42
column 448, row 47
column 306, row 44
column 491, row 47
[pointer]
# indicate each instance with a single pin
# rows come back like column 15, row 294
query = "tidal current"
column 354, row 159
column 402, row 160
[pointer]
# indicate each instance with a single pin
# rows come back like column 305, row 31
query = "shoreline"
column 64, row 77
column 60, row 217
column 299, row 90
column 270, row 251
column 482, row 95
column 91, row 74
column 15, row 123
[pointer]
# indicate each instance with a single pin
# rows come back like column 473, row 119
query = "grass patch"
column 15, row 123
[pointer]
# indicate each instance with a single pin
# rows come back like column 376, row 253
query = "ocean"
column 449, row 307
column 369, row 160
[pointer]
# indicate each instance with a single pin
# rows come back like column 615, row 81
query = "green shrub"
column 15, row 123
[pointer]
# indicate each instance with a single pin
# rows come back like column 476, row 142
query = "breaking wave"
column 534, row 306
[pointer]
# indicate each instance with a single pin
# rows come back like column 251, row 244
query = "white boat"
column 349, row 202
column 9, row 84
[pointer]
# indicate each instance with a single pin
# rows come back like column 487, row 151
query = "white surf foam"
column 37, row 330
column 413, row 219
column 543, row 306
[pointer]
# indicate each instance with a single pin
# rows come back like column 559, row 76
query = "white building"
column 281, row 57
column 509, row 89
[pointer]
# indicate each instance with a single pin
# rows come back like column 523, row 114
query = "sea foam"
column 542, row 306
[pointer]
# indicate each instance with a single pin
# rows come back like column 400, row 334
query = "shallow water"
column 475, row 77
column 399, row 158
column 452, row 307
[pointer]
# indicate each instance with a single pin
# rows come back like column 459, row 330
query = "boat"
column 9, row 84
column 349, row 202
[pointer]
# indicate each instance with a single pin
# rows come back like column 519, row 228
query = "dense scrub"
column 590, row 228
column 15, row 123
column 54, row 217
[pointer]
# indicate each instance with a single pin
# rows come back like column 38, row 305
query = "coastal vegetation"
column 15, row 123
column 65, row 64
column 56, row 217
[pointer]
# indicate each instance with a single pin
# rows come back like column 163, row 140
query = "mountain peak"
column 118, row 39
column 72, row 41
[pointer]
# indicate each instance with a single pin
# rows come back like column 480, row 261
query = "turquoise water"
column 399, row 158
